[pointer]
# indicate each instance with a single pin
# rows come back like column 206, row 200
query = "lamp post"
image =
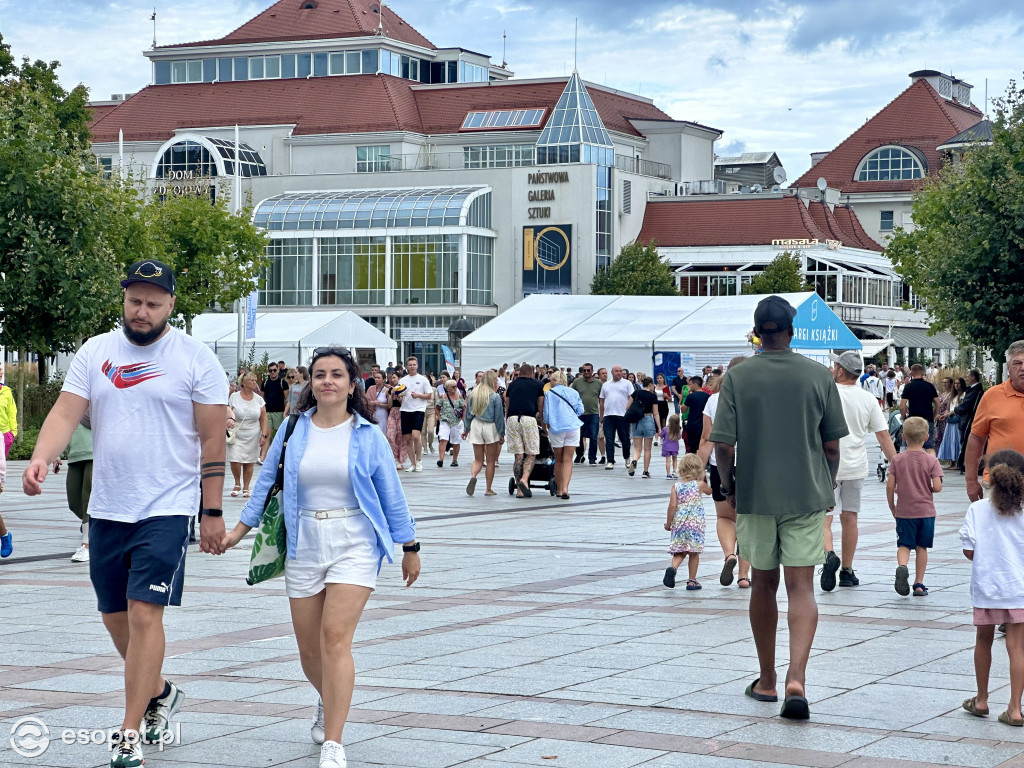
column 457, row 331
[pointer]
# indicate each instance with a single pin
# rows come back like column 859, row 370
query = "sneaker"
column 6, row 546
column 455, row 464
column 578, row 460
column 594, row 463
column 332, row 755
column 81, row 554
column 419, row 467
column 669, row 580
column 440, row 462
column 646, row 474
column 609, row 465
column 603, row 460
column 847, row 578
column 157, row 720
column 411, row 468
column 631, row 467
column 126, row 752
column 828, row 572
column 902, row 584
column 668, row 476
column 317, row 729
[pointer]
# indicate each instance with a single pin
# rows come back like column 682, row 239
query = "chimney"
column 817, row 157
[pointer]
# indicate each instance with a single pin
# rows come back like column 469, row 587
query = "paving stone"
column 943, row 752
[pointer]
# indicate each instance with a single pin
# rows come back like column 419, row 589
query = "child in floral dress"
column 686, row 520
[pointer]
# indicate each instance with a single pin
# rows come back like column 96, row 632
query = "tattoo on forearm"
column 209, row 475
column 209, row 464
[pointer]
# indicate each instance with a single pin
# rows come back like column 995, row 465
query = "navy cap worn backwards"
column 773, row 314
column 153, row 272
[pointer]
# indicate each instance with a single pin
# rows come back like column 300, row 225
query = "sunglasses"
column 336, row 351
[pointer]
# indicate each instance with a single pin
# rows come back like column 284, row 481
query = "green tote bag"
column 270, row 546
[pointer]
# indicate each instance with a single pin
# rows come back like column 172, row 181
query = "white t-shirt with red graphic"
column 144, row 434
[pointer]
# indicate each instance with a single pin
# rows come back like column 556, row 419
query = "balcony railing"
column 849, row 314
column 643, row 167
column 702, row 187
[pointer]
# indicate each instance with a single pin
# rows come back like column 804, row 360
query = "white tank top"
column 324, row 481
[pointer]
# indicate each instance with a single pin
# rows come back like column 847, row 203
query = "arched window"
column 890, row 164
column 192, row 156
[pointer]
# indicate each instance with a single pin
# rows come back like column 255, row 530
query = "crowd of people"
column 331, row 469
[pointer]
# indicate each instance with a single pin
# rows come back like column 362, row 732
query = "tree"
column 965, row 258
column 638, row 271
column 782, row 275
column 217, row 255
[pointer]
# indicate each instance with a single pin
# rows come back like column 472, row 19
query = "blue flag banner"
column 449, row 359
column 816, row 326
column 252, row 304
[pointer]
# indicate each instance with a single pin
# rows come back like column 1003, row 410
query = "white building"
column 410, row 183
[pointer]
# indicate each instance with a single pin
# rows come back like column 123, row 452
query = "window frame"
column 870, row 168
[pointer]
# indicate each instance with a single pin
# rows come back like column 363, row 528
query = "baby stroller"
column 896, row 433
column 543, row 473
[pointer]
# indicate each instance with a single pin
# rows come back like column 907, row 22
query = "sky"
column 788, row 76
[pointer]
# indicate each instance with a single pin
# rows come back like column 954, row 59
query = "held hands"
column 410, row 567
column 211, row 535
column 231, row 539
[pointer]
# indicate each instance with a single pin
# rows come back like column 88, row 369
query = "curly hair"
column 356, row 401
column 1006, row 473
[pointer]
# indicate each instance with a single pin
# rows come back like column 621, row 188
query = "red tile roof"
column 288, row 20
column 349, row 104
column 98, row 111
column 918, row 118
column 727, row 220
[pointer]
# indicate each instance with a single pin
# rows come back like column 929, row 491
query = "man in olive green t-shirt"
column 784, row 413
column 589, row 388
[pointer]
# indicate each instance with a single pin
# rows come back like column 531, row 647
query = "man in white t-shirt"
column 414, row 407
column 875, row 386
column 863, row 416
column 614, row 398
column 158, row 402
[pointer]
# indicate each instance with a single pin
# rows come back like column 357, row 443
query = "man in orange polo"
column 999, row 420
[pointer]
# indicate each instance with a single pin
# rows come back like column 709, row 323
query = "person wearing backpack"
column 643, row 429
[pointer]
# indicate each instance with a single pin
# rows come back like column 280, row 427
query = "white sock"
column 85, row 533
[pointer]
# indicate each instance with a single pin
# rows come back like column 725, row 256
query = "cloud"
column 715, row 63
column 731, row 149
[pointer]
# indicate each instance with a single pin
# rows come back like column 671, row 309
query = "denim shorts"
column 644, row 427
column 914, row 532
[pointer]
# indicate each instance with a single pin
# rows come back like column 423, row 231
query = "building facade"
column 413, row 184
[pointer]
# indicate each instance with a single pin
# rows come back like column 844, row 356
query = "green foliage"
column 637, row 271
column 25, row 444
column 782, row 275
column 965, row 258
column 216, row 254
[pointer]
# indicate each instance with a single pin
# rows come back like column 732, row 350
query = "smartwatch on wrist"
column 411, row 547
column 213, row 512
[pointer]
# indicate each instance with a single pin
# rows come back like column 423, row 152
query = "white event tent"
column 292, row 336
column 642, row 333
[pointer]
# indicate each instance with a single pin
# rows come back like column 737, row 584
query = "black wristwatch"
column 213, row 512
column 411, row 547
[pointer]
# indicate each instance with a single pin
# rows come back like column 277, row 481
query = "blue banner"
column 816, row 326
column 252, row 304
column 449, row 359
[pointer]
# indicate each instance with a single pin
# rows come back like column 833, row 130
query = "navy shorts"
column 914, row 532
column 138, row 561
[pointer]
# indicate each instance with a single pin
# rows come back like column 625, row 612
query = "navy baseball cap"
column 773, row 314
column 153, row 272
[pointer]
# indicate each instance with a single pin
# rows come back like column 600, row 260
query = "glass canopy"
column 203, row 156
column 375, row 209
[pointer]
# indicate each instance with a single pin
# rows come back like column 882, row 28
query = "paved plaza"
column 538, row 634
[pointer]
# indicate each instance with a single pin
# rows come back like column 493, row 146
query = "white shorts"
column 568, row 439
column 339, row 550
column 848, row 493
column 452, row 434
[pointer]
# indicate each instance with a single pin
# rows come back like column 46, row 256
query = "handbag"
column 231, row 436
column 459, row 412
column 270, row 545
column 635, row 413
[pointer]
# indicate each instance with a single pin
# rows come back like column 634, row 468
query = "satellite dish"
column 822, row 184
column 779, row 174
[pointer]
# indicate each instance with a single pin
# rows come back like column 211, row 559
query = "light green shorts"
column 274, row 421
column 768, row 541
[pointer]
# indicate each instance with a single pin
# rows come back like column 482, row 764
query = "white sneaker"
column 419, row 467
column 317, row 730
column 81, row 554
column 157, row 720
column 332, row 755
column 411, row 468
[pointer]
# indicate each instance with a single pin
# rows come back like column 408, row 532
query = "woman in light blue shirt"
column 562, row 410
column 344, row 509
